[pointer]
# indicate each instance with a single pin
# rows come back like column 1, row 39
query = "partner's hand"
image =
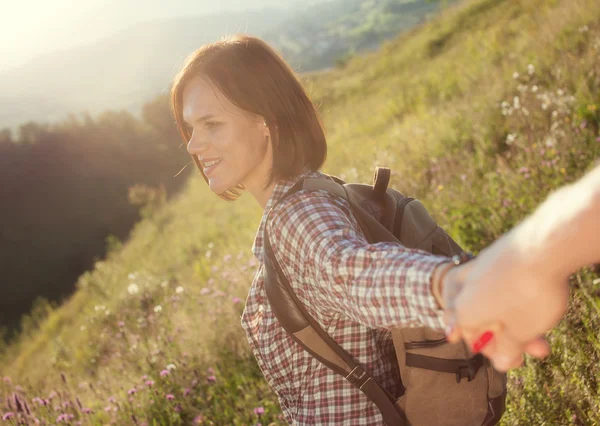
column 498, row 295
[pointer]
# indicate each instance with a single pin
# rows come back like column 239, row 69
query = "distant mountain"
column 129, row 68
column 119, row 72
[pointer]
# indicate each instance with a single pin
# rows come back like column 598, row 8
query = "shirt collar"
column 281, row 187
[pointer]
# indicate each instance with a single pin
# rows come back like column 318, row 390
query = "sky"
column 33, row 27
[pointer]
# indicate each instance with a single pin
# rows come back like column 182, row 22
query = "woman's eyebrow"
column 203, row 118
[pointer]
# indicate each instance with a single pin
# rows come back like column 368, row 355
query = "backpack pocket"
column 444, row 386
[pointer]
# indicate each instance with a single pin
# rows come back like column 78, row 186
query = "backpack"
column 443, row 385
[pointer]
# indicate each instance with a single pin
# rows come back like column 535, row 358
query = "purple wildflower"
column 211, row 379
column 64, row 418
column 131, row 391
column 236, row 300
column 170, row 397
column 198, row 419
column 598, row 139
column 87, row 411
column 112, row 399
column 164, row 373
column 259, row 411
column 107, row 408
column 210, row 370
column 187, row 391
column 6, row 379
column 8, row 415
column 149, row 383
column 121, row 324
column 524, row 170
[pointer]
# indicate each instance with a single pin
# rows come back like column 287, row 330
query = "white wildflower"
column 171, row 367
column 164, row 284
column 550, row 142
column 179, row 289
column 133, row 288
column 99, row 308
column 208, row 254
column 584, row 29
column 534, row 88
column 515, row 75
column 82, row 328
column 516, row 102
column 560, row 92
column 211, row 245
column 530, row 69
column 157, row 308
column 510, row 138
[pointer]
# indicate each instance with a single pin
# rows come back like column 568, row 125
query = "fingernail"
column 482, row 341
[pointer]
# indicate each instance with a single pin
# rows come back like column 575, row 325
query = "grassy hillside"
column 479, row 113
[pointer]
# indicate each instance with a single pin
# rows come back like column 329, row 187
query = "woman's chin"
column 218, row 186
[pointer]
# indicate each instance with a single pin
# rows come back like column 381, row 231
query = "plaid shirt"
column 352, row 288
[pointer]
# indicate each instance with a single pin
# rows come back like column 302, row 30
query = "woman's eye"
column 212, row 124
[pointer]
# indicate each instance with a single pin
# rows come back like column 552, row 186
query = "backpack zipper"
column 426, row 344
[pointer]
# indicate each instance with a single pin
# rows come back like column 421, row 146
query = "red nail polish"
column 482, row 341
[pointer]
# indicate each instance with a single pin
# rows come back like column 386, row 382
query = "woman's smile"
column 208, row 169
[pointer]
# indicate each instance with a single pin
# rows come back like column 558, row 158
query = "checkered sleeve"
column 379, row 285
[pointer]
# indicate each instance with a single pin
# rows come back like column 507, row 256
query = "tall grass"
column 480, row 113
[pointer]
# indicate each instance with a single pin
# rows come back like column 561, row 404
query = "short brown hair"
column 255, row 78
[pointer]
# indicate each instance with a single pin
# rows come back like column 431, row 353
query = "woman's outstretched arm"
column 332, row 266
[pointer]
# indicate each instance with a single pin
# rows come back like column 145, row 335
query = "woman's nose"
column 196, row 144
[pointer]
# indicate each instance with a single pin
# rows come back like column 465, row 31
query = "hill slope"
column 479, row 113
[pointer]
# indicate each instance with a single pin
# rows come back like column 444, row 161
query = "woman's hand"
column 507, row 298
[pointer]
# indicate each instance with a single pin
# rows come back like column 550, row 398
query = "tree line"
column 66, row 188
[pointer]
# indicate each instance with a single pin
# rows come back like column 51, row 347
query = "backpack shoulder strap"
column 362, row 199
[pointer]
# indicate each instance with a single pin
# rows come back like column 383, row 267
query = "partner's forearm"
column 563, row 234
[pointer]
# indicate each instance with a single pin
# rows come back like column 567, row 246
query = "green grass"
column 429, row 105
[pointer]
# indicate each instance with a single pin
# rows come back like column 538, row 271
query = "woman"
column 518, row 288
column 250, row 126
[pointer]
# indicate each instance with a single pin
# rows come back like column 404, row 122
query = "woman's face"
column 221, row 131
